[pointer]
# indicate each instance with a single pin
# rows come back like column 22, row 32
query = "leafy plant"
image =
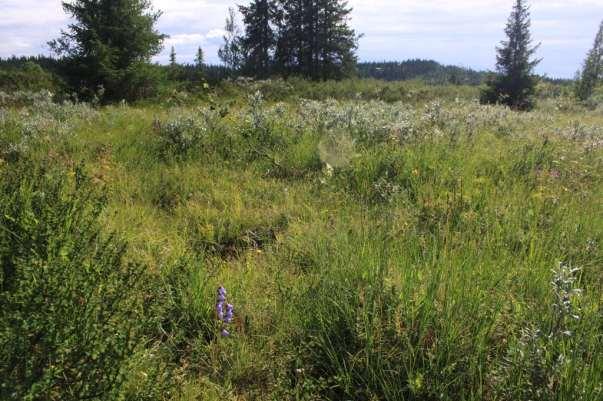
column 180, row 135
column 72, row 308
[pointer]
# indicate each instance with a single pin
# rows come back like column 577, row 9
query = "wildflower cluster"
column 224, row 311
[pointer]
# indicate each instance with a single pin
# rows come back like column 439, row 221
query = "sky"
column 459, row 32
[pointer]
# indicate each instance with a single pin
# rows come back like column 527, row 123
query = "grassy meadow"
column 378, row 242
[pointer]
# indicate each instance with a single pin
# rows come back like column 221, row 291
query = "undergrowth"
column 378, row 242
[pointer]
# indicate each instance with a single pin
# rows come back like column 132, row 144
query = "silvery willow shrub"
column 28, row 128
column 180, row 135
column 259, row 124
column 272, row 89
column 259, row 133
column 66, row 112
column 25, row 98
column 591, row 136
column 368, row 123
column 547, row 357
column 71, row 307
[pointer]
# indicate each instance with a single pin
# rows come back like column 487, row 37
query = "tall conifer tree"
column 315, row 39
column 337, row 41
column 515, row 83
column 200, row 58
column 592, row 72
column 290, row 36
column 110, row 44
column 260, row 39
column 173, row 61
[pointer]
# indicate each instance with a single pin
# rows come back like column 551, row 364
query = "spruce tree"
column 260, row 39
column 199, row 58
column 175, row 71
column 515, row 84
column 173, row 62
column 290, row 38
column 110, row 44
column 592, row 72
column 231, row 52
column 337, row 42
column 315, row 40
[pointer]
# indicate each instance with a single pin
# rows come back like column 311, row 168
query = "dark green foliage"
column 315, row 39
column 109, row 45
column 200, row 58
column 47, row 63
column 28, row 77
column 215, row 74
column 174, row 69
column 259, row 40
column 173, row 61
column 514, row 85
column 71, row 308
column 275, row 90
column 292, row 37
column 429, row 70
column 592, row 72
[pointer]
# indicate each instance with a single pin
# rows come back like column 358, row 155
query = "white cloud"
column 466, row 32
column 184, row 39
column 215, row 33
column 453, row 31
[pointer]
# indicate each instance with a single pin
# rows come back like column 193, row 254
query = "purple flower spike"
column 224, row 316
column 221, row 294
column 229, row 313
column 220, row 310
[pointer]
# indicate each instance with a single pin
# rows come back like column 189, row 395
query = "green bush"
column 72, row 309
column 180, row 136
column 31, row 78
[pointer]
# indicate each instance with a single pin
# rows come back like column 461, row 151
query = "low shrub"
column 179, row 136
column 72, row 308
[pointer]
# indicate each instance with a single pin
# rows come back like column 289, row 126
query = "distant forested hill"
column 428, row 70
column 17, row 63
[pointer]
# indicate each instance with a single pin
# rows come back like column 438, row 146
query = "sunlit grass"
column 407, row 269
